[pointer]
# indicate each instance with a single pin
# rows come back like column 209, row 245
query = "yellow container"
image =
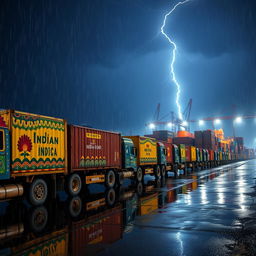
column 146, row 148
column 38, row 143
column 193, row 154
column 221, row 156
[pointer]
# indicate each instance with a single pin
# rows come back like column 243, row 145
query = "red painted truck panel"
column 93, row 149
column 188, row 154
column 102, row 228
column 169, row 152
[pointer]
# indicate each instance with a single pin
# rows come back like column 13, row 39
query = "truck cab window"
column 1, row 140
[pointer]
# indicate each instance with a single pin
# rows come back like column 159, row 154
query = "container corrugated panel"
column 199, row 139
column 147, row 149
column 211, row 153
column 188, row 154
column 182, row 153
column 102, row 228
column 93, row 149
column 184, row 140
column 193, row 153
column 38, row 143
column 169, row 152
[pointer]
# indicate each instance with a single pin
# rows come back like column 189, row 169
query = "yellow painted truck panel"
column 193, row 154
column 148, row 204
column 38, row 143
column 147, row 150
column 54, row 244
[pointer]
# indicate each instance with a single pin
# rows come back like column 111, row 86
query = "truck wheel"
column 139, row 175
column 75, row 206
column 110, row 179
column 120, row 178
column 38, row 192
column 158, row 172
column 38, row 219
column 163, row 171
column 139, row 189
column 74, row 184
column 111, row 197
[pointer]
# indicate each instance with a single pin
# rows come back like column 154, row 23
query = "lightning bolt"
column 174, row 57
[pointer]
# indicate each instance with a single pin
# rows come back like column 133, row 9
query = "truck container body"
column 211, row 155
column 169, row 152
column 188, row 154
column 221, row 156
column 36, row 144
column 146, row 148
column 161, row 153
column 182, row 149
column 102, row 228
column 93, row 149
column 205, row 155
column 184, row 140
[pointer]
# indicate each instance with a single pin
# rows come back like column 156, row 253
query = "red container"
column 169, row 151
column 188, row 154
column 103, row 228
column 211, row 155
column 93, row 149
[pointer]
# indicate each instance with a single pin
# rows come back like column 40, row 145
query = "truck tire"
column 75, row 206
column 74, row 184
column 38, row 192
column 38, row 219
column 139, row 174
column 110, row 179
column 158, row 172
column 120, row 178
column 111, row 197
column 163, row 171
column 139, row 188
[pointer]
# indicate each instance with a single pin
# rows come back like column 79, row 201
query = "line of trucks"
column 39, row 152
column 81, row 226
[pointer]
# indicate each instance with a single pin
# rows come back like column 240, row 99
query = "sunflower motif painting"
column 24, row 145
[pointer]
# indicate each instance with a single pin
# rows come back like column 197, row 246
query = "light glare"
column 152, row 126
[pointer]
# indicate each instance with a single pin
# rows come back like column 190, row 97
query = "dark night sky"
column 104, row 63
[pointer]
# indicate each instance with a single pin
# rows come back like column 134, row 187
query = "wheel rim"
column 39, row 191
column 75, row 184
column 111, row 197
column 139, row 174
column 40, row 218
column 111, row 178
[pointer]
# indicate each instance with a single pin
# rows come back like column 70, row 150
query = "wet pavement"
column 209, row 212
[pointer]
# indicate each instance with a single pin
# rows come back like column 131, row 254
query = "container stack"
column 162, row 135
column 199, row 139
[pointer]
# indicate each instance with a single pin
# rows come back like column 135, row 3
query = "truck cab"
column 129, row 154
column 4, row 154
column 161, row 153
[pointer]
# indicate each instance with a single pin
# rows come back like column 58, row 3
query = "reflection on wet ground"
column 208, row 212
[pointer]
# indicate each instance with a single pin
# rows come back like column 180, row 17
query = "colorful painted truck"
column 191, row 157
column 33, row 151
column 38, row 150
column 147, row 158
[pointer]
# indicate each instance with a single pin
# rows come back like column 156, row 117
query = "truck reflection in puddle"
column 84, row 225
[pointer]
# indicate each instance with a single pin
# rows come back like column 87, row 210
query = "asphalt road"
column 211, row 212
